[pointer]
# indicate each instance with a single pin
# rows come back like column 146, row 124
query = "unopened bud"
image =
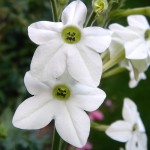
column 99, row 5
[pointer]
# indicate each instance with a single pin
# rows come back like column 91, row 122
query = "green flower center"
column 147, row 34
column 135, row 127
column 71, row 35
column 61, row 92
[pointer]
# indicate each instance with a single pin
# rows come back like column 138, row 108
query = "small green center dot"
column 71, row 35
column 147, row 34
column 135, row 127
column 61, row 92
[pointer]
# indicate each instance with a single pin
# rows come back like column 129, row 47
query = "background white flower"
column 136, row 37
column 131, row 129
column 63, row 100
column 136, row 67
column 68, row 45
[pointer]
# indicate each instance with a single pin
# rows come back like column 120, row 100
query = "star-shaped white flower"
column 63, row 100
column 136, row 67
column 68, row 45
column 136, row 37
column 131, row 129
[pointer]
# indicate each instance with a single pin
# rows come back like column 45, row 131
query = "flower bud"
column 99, row 5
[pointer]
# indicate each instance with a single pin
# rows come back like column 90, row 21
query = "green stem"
column 99, row 127
column 60, row 144
column 112, row 72
column 90, row 19
column 126, row 12
column 54, row 10
column 114, row 61
column 55, row 140
column 59, row 12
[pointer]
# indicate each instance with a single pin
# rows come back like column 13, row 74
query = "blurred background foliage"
column 16, row 51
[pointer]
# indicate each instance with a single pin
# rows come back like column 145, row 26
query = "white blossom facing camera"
column 130, row 130
column 63, row 100
column 68, row 45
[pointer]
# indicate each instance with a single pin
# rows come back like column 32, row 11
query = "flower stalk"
column 99, row 127
column 54, row 10
column 56, row 141
column 113, row 71
column 90, row 20
column 126, row 12
column 113, row 62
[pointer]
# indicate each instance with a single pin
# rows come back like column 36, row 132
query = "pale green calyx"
column 61, row 92
column 63, row 2
column 71, row 34
column 100, row 5
column 147, row 34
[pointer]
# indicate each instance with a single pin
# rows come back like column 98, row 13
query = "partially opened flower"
column 68, row 45
column 131, row 129
column 63, row 100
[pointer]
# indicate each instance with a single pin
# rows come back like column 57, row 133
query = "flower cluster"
column 65, row 71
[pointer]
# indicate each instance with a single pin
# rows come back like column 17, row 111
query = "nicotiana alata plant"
column 67, row 67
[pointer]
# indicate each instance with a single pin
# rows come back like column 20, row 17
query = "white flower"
column 136, row 37
column 131, row 129
column 134, row 80
column 136, row 67
column 68, row 45
column 63, row 100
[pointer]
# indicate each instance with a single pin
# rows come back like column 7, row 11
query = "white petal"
column 84, row 65
column 136, row 49
column 124, row 33
column 34, row 113
column 48, row 61
column 115, row 47
column 33, row 85
column 72, row 124
column 140, row 65
column 129, row 111
column 133, row 82
column 87, row 98
column 96, row 38
column 43, row 31
column 140, row 124
column 139, row 21
column 137, row 142
column 74, row 13
column 119, row 131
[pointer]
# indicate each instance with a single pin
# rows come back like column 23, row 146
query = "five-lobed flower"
column 131, row 129
column 62, row 99
column 68, row 45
